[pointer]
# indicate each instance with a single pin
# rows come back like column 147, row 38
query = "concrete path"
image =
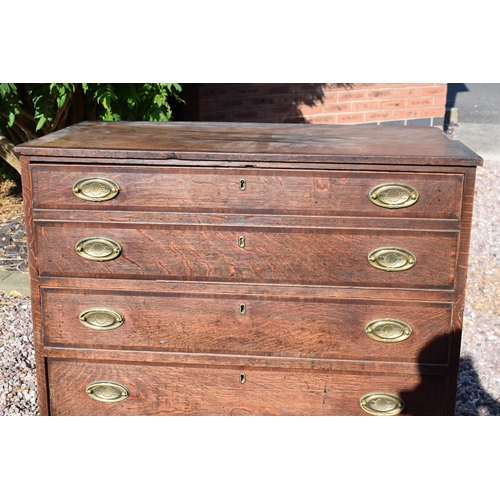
column 12, row 282
column 482, row 138
column 477, row 111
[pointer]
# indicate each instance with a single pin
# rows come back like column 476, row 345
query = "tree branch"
column 7, row 153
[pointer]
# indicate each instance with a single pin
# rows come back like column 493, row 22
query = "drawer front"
column 249, row 190
column 182, row 390
column 248, row 325
column 259, row 255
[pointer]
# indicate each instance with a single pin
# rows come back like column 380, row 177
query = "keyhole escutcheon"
column 243, row 308
column 243, row 184
column 241, row 242
column 243, row 378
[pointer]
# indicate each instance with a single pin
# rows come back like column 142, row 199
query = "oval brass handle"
column 97, row 248
column 107, row 392
column 388, row 330
column 392, row 259
column 393, row 195
column 381, row 403
column 96, row 189
column 101, row 318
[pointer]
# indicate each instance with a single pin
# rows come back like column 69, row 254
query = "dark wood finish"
column 276, row 255
column 353, row 367
column 34, row 288
column 303, row 273
column 180, row 390
column 270, row 326
column 254, row 142
column 267, row 191
column 292, row 291
column 243, row 220
column 460, row 283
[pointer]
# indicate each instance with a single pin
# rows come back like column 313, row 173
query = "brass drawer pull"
column 388, row 330
column 382, row 403
column 99, row 249
column 393, row 196
column 96, row 189
column 392, row 259
column 101, row 318
column 107, row 392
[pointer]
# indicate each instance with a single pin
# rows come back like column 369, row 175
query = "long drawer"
column 264, row 325
column 193, row 390
column 340, row 257
column 249, row 190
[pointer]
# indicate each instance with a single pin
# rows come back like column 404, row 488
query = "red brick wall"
column 398, row 103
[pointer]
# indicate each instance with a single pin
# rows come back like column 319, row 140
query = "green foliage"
column 129, row 101
column 9, row 103
column 31, row 110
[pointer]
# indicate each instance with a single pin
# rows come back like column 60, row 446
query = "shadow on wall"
column 279, row 102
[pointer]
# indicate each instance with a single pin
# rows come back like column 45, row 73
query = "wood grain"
column 178, row 390
column 270, row 326
column 267, row 191
column 276, row 255
column 36, row 312
column 303, row 272
column 254, row 142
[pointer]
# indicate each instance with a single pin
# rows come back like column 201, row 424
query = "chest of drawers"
column 247, row 269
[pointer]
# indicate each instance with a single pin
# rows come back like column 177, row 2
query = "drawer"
column 247, row 325
column 194, row 390
column 249, row 190
column 249, row 254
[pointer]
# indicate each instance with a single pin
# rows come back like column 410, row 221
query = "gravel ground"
column 479, row 376
column 18, row 391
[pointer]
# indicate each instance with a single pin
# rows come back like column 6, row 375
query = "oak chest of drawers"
column 247, row 269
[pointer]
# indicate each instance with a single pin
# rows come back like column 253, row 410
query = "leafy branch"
column 28, row 111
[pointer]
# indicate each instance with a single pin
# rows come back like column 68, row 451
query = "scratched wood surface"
column 269, row 326
column 252, row 141
column 266, row 191
column 184, row 390
column 287, row 255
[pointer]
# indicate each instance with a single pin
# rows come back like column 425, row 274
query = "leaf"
column 41, row 123
column 12, row 119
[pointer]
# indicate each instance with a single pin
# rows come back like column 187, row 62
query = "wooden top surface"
column 254, row 142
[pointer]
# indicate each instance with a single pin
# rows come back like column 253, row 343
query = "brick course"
column 323, row 102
